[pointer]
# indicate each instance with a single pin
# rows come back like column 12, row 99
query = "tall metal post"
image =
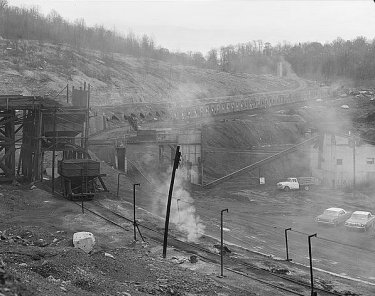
column 175, row 165
column 118, row 183
column 286, row 244
column 311, row 269
column 221, row 244
column 134, row 222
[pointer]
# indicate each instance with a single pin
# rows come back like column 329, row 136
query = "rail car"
column 78, row 178
column 246, row 102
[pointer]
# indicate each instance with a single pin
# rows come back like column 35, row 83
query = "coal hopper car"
column 80, row 178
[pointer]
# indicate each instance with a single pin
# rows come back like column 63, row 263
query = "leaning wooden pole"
column 175, row 166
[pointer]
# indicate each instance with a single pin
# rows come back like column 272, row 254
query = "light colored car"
column 333, row 216
column 361, row 220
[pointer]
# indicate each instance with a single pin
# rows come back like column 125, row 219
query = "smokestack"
column 280, row 69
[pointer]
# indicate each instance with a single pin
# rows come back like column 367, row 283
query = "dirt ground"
column 254, row 231
column 37, row 256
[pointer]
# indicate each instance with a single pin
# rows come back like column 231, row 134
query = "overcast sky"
column 200, row 25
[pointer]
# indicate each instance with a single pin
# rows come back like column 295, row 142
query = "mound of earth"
column 234, row 144
column 32, row 68
column 259, row 131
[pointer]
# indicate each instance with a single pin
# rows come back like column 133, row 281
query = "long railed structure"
column 238, row 103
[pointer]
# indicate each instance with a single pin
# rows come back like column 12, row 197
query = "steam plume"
column 183, row 212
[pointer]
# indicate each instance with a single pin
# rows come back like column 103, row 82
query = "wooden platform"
column 36, row 124
column 18, row 102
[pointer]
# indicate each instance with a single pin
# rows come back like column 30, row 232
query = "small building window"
column 339, row 161
column 370, row 160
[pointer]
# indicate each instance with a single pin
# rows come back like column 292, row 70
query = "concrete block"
column 84, row 241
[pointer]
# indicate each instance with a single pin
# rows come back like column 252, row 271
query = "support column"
column 38, row 145
column 121, row 152
column 7, row 142
column 10, row 149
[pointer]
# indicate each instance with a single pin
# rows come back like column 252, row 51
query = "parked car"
column 333, row 216
column 361, row 220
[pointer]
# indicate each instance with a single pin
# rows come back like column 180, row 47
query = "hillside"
column 34, row 68
column 232, row 144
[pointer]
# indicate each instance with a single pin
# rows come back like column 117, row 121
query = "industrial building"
column 339, row 163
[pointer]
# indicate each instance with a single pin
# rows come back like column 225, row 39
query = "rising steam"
column 183, row 212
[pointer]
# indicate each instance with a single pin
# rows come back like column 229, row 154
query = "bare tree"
column 212, row 60
column 3, row 4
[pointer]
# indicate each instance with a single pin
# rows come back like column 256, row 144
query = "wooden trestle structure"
column 32, row 125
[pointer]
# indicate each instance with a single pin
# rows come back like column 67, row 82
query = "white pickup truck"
column 297, row 183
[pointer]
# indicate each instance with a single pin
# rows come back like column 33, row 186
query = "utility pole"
column 311, row 268
column 286, row 244
column 222, row 244
column 175, row 166
column 134, row 221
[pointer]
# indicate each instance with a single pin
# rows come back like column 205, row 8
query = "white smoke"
column 183, row 212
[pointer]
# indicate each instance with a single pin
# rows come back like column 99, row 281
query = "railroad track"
column 277, row 281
